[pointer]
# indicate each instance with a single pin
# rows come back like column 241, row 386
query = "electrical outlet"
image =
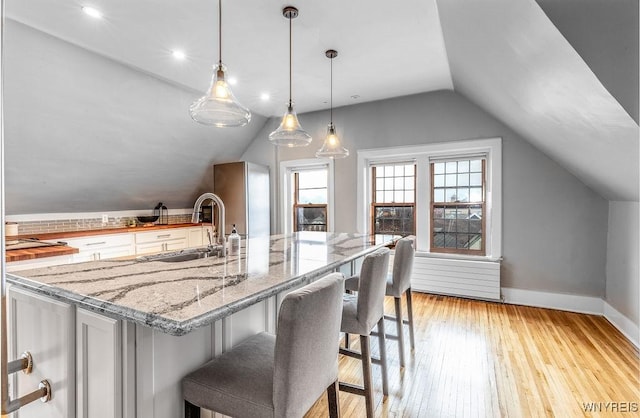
column 105, row 219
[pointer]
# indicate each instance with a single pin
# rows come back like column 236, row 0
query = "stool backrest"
column 307, row 342
column 372, row 286
column 402, row 266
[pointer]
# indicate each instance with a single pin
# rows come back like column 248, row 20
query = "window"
column 299, row 194
column 393, row 200
column 457, row 206
column 310, row 200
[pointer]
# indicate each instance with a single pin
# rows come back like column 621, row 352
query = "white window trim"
column 492, row 147
column 286, row 203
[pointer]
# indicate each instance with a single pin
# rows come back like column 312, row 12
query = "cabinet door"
column 195, row 237
column 45, row 328
column 98, row 366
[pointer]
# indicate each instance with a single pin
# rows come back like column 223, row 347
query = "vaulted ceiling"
column 537, row 66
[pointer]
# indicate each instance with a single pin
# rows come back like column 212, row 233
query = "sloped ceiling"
column 510, row 59
column 116, row 107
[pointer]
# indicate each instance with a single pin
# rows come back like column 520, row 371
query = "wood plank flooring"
column 481, row 359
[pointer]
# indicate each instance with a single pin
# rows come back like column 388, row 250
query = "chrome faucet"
column 195, row 218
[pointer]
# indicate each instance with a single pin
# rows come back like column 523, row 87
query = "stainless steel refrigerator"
column 244, row 190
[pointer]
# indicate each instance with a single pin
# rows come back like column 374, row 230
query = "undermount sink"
column 184, row 255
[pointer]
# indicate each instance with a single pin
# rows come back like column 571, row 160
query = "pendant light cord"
column 290, row 62
column 331, row 100
column 219, row 32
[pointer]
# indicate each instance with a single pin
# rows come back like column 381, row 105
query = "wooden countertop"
column 39, row 252
column 42, row 252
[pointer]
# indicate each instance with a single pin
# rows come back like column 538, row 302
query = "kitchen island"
column 135, row 327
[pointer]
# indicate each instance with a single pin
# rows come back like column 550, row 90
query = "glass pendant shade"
column 219, row 107
column 332, row 147
column 290, row 133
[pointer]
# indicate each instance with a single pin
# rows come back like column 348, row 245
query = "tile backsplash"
column 86, row 224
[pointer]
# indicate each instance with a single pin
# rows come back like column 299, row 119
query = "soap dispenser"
column 233, row 242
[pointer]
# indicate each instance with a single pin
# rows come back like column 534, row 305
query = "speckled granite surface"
column 179, row 297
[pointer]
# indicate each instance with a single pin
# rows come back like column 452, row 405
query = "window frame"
column 375, row 204
column 287, row 168
column 433, row 205
column 491, row 148
column 297, row 205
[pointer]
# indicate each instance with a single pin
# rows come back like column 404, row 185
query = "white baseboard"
column 624, row 324
column 574, row 303
column 560, row 301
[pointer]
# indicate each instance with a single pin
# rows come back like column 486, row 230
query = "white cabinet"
column 161, row 240
column 45, row 328
column 79, row 352
column 100, row 247
column 98, row 365
column 196, row 237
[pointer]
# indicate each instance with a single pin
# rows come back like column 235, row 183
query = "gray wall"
column 554, row 227
column 84, row 133
column 623, row 250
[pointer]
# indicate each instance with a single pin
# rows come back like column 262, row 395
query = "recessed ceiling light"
column 233, row 81
column 95, row 13
column 355, row 96
column 179, row 55
column 265, row 96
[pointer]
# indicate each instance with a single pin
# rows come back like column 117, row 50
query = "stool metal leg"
column 366, row 373
column 399, row 327
column 410, row 313
column 334, row 401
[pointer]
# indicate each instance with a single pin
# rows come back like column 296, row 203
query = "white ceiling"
column 384, row 50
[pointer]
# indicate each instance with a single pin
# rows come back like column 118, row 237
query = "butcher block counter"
column 38, row 250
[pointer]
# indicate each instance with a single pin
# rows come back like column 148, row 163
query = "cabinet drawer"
column 161, row 246
column 161, row 235
column 98, row 242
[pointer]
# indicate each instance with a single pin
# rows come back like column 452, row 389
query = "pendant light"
column 290, row 133
column 219, row 107
column 332, row 147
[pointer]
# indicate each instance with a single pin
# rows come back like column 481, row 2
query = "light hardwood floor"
column 480, row 359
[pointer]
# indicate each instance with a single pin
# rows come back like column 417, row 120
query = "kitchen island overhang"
column 177, row 298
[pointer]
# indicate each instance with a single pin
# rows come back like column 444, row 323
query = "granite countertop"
column 178, row 297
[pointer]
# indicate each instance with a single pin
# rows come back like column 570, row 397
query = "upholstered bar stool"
column 398, row 283
column 360, row 314
column 278, row 375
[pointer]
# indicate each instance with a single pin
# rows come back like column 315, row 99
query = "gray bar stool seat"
column 398, row 283
column 359, row 315
column 278, row 375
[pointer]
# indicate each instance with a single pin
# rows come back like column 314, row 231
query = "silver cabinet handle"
column 96, row 243
column 164, row 236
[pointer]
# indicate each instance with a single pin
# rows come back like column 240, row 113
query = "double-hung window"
column 458, row 206
column 393, row 204
column 306, row 202
column 448, row 194
column 310, row 200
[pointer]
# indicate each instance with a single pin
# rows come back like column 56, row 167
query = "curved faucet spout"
column 197, row 207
